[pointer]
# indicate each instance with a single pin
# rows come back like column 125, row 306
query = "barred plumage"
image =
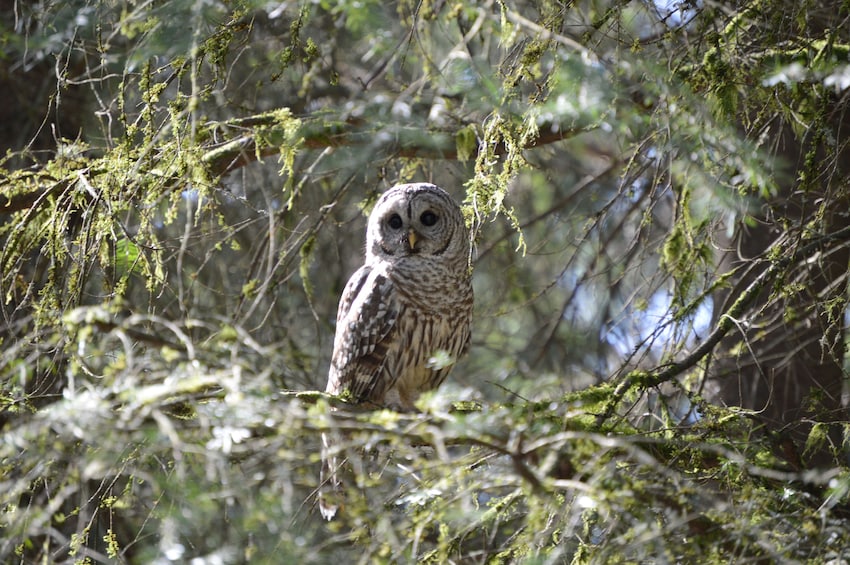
column 405, row 316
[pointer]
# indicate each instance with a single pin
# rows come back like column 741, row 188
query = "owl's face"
column 417, row 220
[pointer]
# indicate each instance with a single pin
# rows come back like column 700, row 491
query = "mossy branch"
column 319, row 132
column 272, row 133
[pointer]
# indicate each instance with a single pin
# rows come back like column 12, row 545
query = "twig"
column 724, row 324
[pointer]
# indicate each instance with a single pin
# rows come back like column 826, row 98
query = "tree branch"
column 724, row 324
column 267, row 134
column 320, row 132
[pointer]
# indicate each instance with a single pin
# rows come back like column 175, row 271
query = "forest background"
column 658, row 197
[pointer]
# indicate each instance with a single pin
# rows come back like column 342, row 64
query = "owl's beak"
column 411, row 238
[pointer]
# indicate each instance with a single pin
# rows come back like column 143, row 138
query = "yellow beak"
column 411, row 238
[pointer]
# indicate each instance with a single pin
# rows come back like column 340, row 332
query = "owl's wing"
column 368, row 311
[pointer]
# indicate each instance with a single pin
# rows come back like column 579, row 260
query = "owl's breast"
column 435, row 289
column 429, row 344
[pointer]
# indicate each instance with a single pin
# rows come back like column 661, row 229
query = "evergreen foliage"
column 658, row 195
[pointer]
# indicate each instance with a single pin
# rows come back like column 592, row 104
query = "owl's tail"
column 330, row 487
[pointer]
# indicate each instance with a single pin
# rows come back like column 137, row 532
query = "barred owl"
column 405, row 316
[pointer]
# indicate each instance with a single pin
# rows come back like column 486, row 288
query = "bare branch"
column 725, row 323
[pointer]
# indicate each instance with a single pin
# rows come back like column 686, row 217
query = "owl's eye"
column 395, row 222
column 428, row 218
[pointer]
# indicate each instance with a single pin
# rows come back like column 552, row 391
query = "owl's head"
column 417, row 220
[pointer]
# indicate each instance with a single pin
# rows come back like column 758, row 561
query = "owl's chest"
column 427, row 346
column 437, row 297
column 426, row 331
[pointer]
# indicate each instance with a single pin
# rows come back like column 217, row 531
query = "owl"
column 405, row 316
